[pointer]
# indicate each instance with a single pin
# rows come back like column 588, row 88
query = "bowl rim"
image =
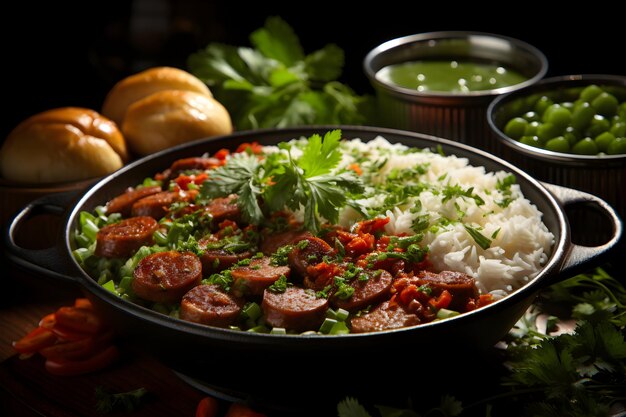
column 439, row 35
column 545, row 85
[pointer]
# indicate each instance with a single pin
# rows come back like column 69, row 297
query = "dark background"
column 71, row 53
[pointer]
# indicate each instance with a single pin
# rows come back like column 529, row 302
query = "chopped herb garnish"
column 280, row 285
column 107, row 402
column 480, row 239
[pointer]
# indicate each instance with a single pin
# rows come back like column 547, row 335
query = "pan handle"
column 48, row 262
column 581, row 258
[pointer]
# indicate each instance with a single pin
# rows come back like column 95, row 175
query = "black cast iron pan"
column 248, row 360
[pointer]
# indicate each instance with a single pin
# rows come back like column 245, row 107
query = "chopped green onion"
column 278, row 330
column 341, row 314
column 252, row 311
column 339, row 328
column 444, row 313
column 110, row 286
column 259, row 329
column 327, row 325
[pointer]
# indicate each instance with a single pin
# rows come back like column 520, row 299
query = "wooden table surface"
column 26, row 389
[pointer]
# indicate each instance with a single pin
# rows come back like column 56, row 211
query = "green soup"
column 449, row 76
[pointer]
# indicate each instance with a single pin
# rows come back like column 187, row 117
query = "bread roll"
column 62, row 144
column 171, row 117
column 142, row 84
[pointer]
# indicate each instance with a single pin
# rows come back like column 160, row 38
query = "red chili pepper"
column 207, row 407
column 78, row 319
column 372, row 225
column 35, row 340
column 96, row 362
column 363, row 243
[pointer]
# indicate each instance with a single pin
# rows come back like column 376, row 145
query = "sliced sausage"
column 164, row 277
column 461, row 286
column 384, row 317
column 209, row 304
column 123, row 203
column 122, row 239
column 308, row 251
column 254, row 278
column 216, row 260
column 272, row 241
column 188, row 164
column 294, row 309
column 366, row 292
column 223, row 208
column 157, row 205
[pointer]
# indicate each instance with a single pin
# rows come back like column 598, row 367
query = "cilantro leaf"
column 277, row 40
column 239, row 176
column 320, row 156
column 350, row 407
column 274, row 84
column 325, row 64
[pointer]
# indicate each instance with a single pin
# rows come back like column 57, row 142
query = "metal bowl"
column 601, row 175
column 459, row 117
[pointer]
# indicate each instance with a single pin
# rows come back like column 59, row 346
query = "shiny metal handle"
column 581, row 258
column 49, row 262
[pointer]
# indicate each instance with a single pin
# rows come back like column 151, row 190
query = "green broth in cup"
column 449, row 76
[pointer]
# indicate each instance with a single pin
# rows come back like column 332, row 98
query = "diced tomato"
column 78, row 319
column 356, row 168
column 207, row 407
column 221, row 154
column 240, row 410
column 372, row 225
column 35, row 340
column 362, row 243
column 484, row 299
column 253, row 147
column 95, row 362
column 443, row 301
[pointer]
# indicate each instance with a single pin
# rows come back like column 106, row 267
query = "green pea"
column 587, row 146
column 621, row 111
column 603, row 140
column 590, row 92
column 558, row 144
column 559, row 116
column 572, row 135
column 532, row 116
column 515, row 127
column 531, row 140
column 547, row 131
column 618, row 146
column 569, row 105
column 618, row 128
column 605, row 104
column 531, row 129
column 542, row 104
column 598, row 125
column 582, row 116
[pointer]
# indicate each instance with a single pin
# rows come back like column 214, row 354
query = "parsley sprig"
column 283, row 181
column 274, row 83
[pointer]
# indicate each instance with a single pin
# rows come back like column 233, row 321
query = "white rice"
column 520, row 241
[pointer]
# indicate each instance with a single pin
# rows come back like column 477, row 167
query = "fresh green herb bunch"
column 274, row 84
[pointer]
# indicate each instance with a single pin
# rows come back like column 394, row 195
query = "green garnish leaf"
column 275, row 84
column 480, row 239
column 280, row 285
column 350, row 407
column 107, row 402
